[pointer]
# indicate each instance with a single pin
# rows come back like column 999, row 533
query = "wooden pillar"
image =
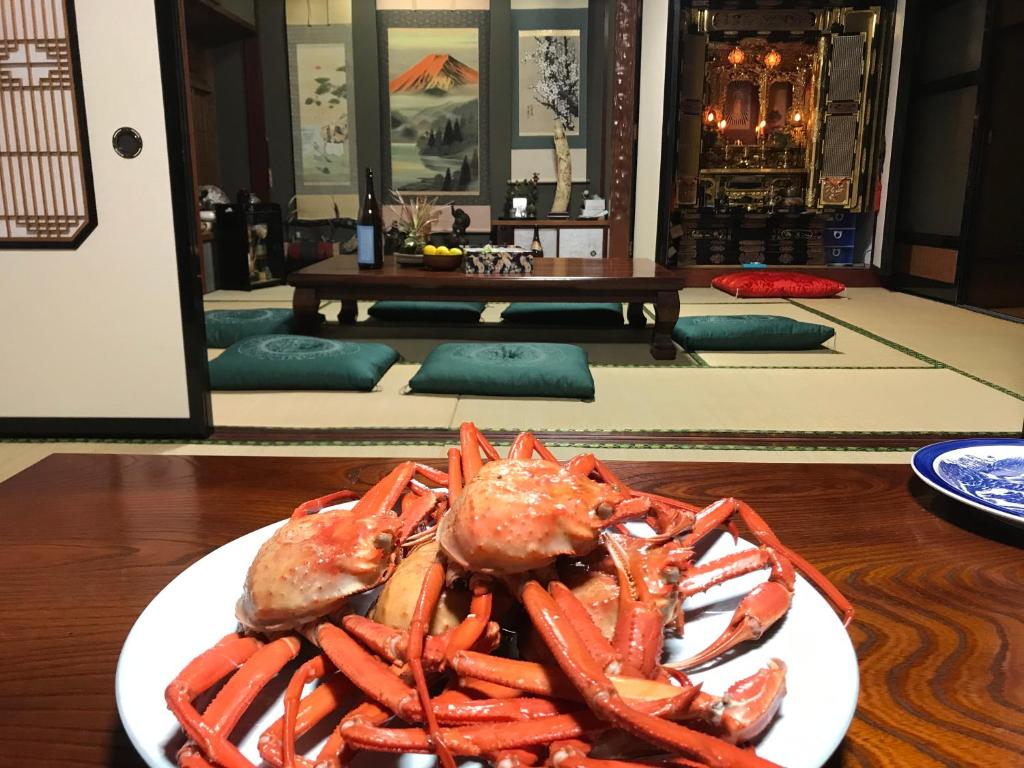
column 623, row 96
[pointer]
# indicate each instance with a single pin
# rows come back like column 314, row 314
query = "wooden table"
column 635, row 281
column 89, row 540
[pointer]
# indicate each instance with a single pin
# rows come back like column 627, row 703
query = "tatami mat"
column 984, row 346
column 848, row 349
column 385, row 407
column 834, row 400
column 715, row 296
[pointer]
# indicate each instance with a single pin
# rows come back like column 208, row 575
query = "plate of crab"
column 510, row 611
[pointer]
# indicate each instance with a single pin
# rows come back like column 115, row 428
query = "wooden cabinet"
column 562, row 238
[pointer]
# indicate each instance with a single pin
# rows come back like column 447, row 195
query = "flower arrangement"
column 416, row 219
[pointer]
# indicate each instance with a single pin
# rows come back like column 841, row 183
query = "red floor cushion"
column 765, row 284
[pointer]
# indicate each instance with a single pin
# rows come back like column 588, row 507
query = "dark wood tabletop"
column 88, row 541
column 631, row 281
column 608, row 274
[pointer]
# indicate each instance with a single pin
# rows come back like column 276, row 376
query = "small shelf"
column 550, row 223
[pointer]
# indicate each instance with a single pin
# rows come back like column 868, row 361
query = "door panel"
column 995, row 273
column 96, row 331
column 945, row 43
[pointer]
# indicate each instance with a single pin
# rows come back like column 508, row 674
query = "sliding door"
column 99, row 295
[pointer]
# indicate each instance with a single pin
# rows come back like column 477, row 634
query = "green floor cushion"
column 590, row 315
column 749, row 332
column 437, row 311
column 300, row 362
column 508, row 369
column 226, row 326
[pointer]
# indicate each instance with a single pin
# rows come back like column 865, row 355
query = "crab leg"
column 476, row 740
column 603, row 652
column 322, row 701
column 313, row 506
column 652, row 696
column 255, row 663
column 720, row 512
column 426, row 603
column 383, row 496
column 472, row 442
column 601, row 695
column 574, row 754
column 524, row 446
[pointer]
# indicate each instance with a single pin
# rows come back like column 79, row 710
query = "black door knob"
column 127, row 142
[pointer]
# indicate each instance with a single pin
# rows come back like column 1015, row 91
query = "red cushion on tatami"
column 761, row 284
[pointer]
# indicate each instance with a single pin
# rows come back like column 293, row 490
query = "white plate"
column 987, row 473
column 197, row 608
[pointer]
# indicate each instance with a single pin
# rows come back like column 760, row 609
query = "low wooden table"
column 89, row 540
column 570, row 280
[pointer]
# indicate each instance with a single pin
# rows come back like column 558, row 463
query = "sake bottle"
column 370, row 230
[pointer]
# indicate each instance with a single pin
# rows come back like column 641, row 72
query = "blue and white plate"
column 987, row 473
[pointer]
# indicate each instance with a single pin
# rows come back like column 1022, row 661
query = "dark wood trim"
column 975, row 165
column 665, row 439
column 625, row 43
column 669, row 129
column 926, row 238
column 256, row 119
column 911, row 36
column 170, row 30
column 945, row 84
column 854, row 277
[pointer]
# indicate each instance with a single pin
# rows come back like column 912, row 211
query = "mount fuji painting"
column 434, row 94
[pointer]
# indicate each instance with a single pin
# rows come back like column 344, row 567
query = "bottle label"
column 364, row 237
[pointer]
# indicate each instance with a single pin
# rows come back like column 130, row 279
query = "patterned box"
column 498, row 261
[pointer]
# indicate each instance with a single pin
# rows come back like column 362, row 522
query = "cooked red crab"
column 500, row 525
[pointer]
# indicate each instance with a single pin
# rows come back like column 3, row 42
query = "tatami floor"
column 898, row 364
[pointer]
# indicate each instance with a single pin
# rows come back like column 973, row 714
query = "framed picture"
column 435, row 102
column 550, row 76
column 323, row 135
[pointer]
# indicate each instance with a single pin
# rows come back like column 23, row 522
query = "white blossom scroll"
column 550, row 76
column 46, row 196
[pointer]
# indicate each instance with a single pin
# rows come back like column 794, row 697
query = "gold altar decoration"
column 736, row 56
column 772, row 59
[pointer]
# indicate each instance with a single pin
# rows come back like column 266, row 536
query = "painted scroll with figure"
column 46, row 195
column 323, row 124
column 435, row 87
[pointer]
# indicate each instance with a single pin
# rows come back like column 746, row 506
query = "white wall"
column 654, row 39
column 96, row 332
column 890, row 125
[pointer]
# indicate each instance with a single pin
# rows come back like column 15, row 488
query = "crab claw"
column 759, row 610
column 751, row 703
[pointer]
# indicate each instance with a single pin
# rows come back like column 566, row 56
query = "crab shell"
column 311, row 564
column 517, row 515
column 397, row 601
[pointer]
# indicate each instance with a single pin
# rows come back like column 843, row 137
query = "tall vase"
column 563, row 172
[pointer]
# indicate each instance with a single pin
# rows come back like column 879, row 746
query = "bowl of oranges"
column 441, row 257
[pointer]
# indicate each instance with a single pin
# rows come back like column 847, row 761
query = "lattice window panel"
column 45, row 180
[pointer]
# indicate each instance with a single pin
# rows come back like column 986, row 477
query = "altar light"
column 772, row 59
column 797, row 117
column 711, row 116
column 737, row 56
column 722, row 124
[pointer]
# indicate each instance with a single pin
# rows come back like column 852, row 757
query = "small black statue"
column 460, row 223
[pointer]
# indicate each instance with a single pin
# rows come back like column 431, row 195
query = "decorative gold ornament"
column 772, row 59
column 737, row 56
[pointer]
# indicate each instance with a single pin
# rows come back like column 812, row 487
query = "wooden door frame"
column 623, row 95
